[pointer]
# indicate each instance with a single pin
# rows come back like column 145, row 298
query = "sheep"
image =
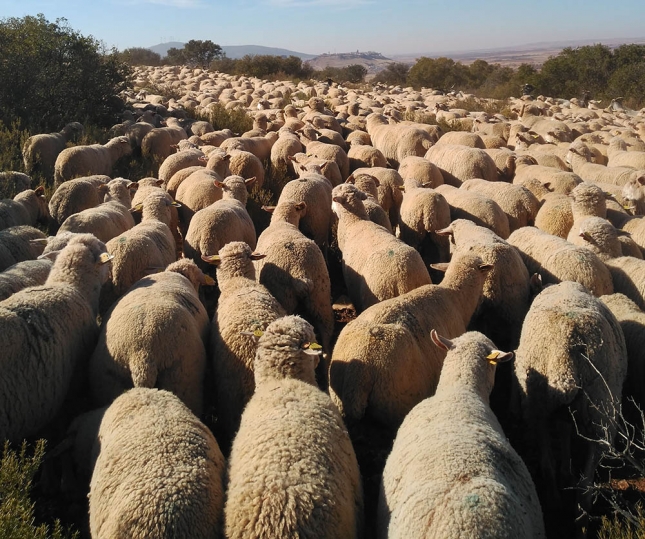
column 45, row 332
column 215, row 138
column 482, row 210
column 558, row 181
column 472, row 140
column 422, row 170
column 289, row 424
column 315, row 191
column 225, row 220
column 598, row 235
column 376, row 265
column 384, row 363
column 258, row 146
column 369, row 185
column 178, row 161
column 247, row 165
column 17, row 245
column 390, row 194
column 244, row 305
column 287, row 145
column 22, row 275
column 556, row 260
column 179, row 176
column 27, row 208
column 571, row 362
column 397, row 141
column 196, row 192
column 303, row 163
column 633, row 194
column 293, row 270
column 155, row 336
column 159, row 471
column 81, row 161
column 587, row 200
column 74, row 196
column 146, row 247
column 632, row 322
column 506, row 294
column 108, row 219
column 579, row 158
column 628, row 276
column 330, row 152
column 452, row 472
column 12, row 183
column 361, row 155
column 158, row 142
column 423, row 212
column 39, row 152
column 619, row 156
column 460, row 163
column 518, row 203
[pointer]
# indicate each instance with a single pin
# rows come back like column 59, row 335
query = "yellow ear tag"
column 209, row 281
column 312, row 346
column 492, row 357
column 258, row 333
column 105, row 257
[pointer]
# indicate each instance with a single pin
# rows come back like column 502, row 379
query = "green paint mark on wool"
column 390, row 253
column 472, row 500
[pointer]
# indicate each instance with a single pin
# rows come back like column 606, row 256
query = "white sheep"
column 292, row 470
column 39, row 152
column 26, row 208
column 45, row 332
column 570, row 367
column 17, row 245
column 452, row 472
column 244, row 306
column 108, row 219
column 376, row 265
column 397, row 141
column 159, row 471
column 74, row 196
column 22, row 275
column 81, row 161
column 155, row 336
column 384, row 362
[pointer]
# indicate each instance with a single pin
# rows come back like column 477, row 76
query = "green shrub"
column 237, row 120
column 618, row 527
column 17, row 472
column 51, row 75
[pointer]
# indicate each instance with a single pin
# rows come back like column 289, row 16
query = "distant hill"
column 529, row 53
column 373, row 61
column 236, row 51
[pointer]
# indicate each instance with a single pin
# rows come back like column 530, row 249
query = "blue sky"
column 334, row 26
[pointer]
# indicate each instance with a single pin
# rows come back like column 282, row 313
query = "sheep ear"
column 485, row 267
column 105, row 257
column 138, row 207
column 40, row 191
column 441, row 266
column 202, row 159
column 300, row 206
column 208, row 280
column 448, row 231
column 215, row 260
column 175, row 204
column 103, row 187
column 133, row 186
column 312, row 349
column 441, row 342
column 497, row 356
column 219, row 184
column 52, row 255
column 268, row 209
column 250, row 182
column 361, row 195
column 257, row 256
column 350, row 179
column 339, row 199
column 535, row 284
column 619, row 232
column 641, row 180
column 159, row 183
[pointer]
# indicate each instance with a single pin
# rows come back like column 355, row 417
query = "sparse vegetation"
column 17, row 472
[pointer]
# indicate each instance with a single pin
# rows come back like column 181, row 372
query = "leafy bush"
column 140, row 56
column 264, row 66
column 236, row 120
column 194, row 53
column 394, row 74
column 354, row 73
column 51, row 75
column 17, row 472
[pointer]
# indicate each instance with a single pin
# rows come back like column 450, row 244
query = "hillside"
column 373, row 61
column 236, row 51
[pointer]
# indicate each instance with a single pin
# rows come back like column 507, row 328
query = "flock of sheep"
column 525, row 232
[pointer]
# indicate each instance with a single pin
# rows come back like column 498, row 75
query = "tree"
column 395, row 73
column 202, row 53
column 355, row 73
column 440, row 73
column 51, row 75
column 139, row 56
column 175, row 56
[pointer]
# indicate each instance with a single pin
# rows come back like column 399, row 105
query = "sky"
column 395, row 27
